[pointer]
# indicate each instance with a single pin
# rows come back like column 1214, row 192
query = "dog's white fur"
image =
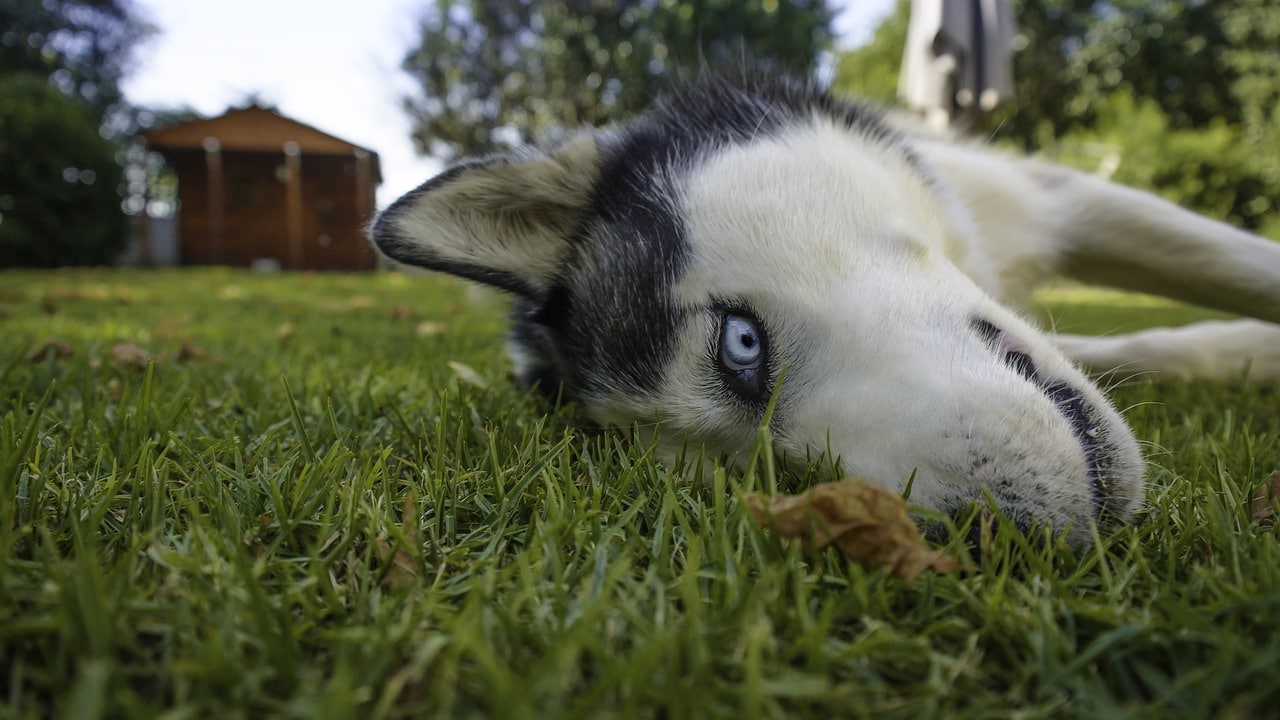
column 867, row 270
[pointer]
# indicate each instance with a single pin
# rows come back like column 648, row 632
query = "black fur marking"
column 1078, row 412
column 530, row 328
column 612, row 317
column 1084, row 425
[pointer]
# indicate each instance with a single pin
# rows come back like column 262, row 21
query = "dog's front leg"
column 1101, row 233
column 1120, row 237
column 1117, row 236
column 1211, row 350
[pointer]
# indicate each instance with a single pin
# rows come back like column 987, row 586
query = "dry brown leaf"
column 130, row 355
column 403, row 570
column 467, row 374
column 351, row 304
column 90, row 293
column 867, row 522
column 230, row 292
column 1266, row 500
column 190, row 351
column 59, row 348
column 170, row 326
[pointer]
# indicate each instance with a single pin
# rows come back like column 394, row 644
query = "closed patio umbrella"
column 958, row 59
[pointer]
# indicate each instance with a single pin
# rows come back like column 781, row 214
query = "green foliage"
column 871, row 72
column 1209, row 70
column 1207, row 168
column 1186, row 92
column 1198, row 61
column 495, row 74
column 319, row 516
column 61, row 64
column 84, row 47
column 59, row 179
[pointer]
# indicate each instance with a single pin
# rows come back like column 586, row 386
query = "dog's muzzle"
column 1083, row 418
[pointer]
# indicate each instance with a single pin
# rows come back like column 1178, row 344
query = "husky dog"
column 762, row 246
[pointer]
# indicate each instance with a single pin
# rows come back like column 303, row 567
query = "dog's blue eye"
column 741, row 348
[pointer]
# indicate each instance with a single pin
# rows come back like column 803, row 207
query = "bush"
column 59, row 179
column 1210, row 169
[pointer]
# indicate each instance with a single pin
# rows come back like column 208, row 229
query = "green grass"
column 226, row 536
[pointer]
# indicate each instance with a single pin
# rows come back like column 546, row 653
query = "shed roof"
column 253, row 129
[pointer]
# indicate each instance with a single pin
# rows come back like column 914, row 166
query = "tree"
column 59, row 179
column 1201, row 79
column 85, row 47
column 1206, row 74
column 61, row 182
column 495, row 73
column 871, row 72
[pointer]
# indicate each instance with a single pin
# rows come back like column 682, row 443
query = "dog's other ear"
column 504, row 220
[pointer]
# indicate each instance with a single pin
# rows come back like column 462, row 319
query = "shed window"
column 244, row 191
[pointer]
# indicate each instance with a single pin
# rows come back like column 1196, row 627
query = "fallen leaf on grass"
column 88, row 293
column 351, row 304
column 467, row 374
column 428, row 329
column 867, row 522
column 403, row 570
column 170, row 326
column 61, row 350
column 130, row 355
column 1266, row 500
column 230, row 293
column 190, row 351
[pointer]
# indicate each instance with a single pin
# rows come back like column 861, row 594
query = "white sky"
column 333, row 64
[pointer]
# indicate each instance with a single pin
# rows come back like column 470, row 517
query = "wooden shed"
column 256, row 187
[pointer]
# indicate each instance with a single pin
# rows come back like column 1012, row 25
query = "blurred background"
column 265, row 134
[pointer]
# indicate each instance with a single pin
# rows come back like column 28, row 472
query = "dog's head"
column 741, row 246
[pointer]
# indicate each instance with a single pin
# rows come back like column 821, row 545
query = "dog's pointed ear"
column 504, row 220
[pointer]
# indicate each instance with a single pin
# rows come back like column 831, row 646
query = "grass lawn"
column 322, row 498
